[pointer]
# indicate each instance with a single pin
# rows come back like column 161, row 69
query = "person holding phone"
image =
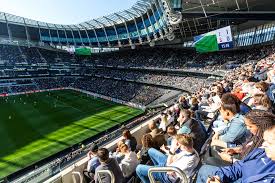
column 257, row 122
column 257, row 167
column 187, row 160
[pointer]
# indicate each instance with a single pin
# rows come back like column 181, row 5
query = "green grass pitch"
column 35, row 126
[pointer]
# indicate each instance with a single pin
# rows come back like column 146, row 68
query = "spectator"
column 194, row 104
column 183, row 103
column 186, row 160
column 93, row 163
column 130, row 140
column 171, row 132
column 261, row 87
column 117, row 154
column 163, row 122
column 258, row 166
column 261, row 102
column 171, row 117
column 257, row 122
column 235, row 132
column 129, row 162
column 107, row 163
column 154, row 129
column 197, row 129
column 147, row 143
column 172, row 148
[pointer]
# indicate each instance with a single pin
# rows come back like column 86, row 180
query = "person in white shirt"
column 187, row 160
column 164, row 122
column 129, row 162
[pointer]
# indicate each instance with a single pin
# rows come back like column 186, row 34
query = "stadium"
column 164, row 91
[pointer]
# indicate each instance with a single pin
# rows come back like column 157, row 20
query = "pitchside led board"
column 216, row 40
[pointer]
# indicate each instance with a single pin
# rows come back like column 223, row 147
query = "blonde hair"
column 194, row 101
column 185, row 140
column 263, row 86
column 123, row 147
column 263, row 100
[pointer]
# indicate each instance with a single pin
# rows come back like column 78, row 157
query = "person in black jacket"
column 147, row 142
column 197, row 130
column 130, row 140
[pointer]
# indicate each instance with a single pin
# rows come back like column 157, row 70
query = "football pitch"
column 36, row 126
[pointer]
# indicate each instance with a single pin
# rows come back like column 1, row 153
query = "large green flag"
column 208, row 43
column 83, row 51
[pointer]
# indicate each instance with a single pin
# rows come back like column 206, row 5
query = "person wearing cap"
column 93, row 163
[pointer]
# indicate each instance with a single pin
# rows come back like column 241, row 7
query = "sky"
column 63, row 11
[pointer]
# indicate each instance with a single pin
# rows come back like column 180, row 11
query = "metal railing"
column 79, row 175
column 182, row 176
column 105, row 171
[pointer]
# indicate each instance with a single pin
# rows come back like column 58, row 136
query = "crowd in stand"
column 178, row 81
column 171, row 58
column 130, row 92
column 134, row 92
column 238, row 146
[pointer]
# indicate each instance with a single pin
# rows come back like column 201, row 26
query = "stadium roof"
column 140, row 7
column 198, row 16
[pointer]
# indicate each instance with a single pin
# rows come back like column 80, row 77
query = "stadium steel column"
column 146, row 11
column 189, row 27
column 90, row 44
column 157, row 21
column 238, row 39
column 39, row 30
column 161, row 28
column 57, row 35
column 266, row 32
column 79, row 35
column 65, row 35
column 49, row 33
column 203, row 9
column 103, row 28
column 195, row 26
column 93, row 27
column 72, row 34
column 114, row 25
column 134, row 18
column 183, row 29
column 125, row 23
column 161, row 16
column 27, row 33
column 8, row 28
column 153, row 13
column 141, row 15
column 260, row 34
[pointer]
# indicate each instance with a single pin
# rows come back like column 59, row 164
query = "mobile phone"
column 212, row 178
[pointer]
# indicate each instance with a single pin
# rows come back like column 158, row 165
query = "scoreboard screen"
column 216, row 40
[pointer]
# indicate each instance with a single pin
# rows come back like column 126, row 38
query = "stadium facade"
column 148, row 22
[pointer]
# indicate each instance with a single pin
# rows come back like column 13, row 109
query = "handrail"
column 181, row 174
column 80, row 177
column 111, row 174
